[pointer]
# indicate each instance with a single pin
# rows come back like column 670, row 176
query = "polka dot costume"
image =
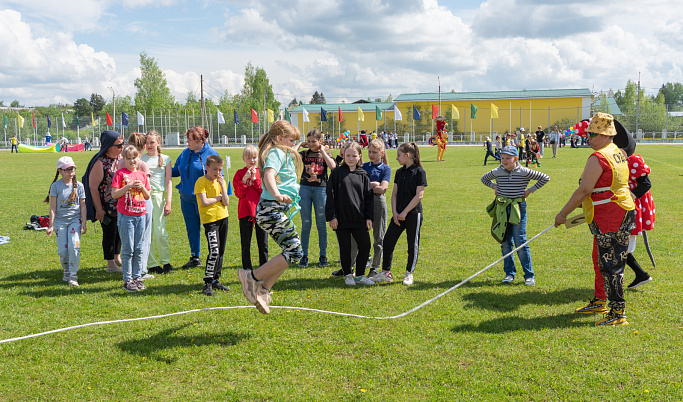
column 645, row 206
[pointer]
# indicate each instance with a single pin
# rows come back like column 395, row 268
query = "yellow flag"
column 361, row 116
column 455, row 113
column 271, row 117
column 494, row 111
column 92, row 117
column 21, row 120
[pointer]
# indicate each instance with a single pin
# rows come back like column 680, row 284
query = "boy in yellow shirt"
column 212, row 201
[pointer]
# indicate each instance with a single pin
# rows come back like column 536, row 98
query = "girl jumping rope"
column 67, row 217
column 279, row 161
column 161, row 196
column 406, row 207
column 349, row 209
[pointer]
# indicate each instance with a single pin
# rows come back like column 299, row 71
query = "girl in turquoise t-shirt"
column 281, row 164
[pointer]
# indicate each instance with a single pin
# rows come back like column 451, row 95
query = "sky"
column 60, row 51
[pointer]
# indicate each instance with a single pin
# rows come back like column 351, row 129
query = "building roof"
column 496, row 95
column 614, row 109
column 345, row 107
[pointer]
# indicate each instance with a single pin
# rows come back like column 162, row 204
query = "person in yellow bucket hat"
column 609, row 210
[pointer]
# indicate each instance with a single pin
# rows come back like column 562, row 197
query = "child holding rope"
column 509, row 210
column 406, row 207
column 67, row 217
column 279, row 161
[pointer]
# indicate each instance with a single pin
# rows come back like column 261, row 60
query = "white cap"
column 65, row 162
column 521, row 129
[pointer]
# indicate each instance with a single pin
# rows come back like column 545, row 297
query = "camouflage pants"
column 271, row 216
column 612, row 253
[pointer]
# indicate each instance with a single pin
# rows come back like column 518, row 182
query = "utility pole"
column 113, row 101
column 203, row 106
column 638, row 104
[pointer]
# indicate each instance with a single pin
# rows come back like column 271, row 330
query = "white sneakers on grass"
column 408, row 278
column 350, row 280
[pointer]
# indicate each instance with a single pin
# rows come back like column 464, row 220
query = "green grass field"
column 483, row 341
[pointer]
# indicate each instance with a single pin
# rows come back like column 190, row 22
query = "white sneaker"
column 349, row 280
column 383, row 277
column 408, row 278
column 146, row 276
column 363, row 280
column 73, row 282
column 508, row 279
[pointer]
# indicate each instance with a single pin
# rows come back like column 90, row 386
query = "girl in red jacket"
column 247, row 182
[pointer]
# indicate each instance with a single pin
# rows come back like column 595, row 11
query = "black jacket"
column 349, row 197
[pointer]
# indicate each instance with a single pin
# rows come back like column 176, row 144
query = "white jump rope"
column 570, row 223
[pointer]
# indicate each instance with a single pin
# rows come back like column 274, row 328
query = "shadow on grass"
column 153, row 346
column 509, row 324
column 510, row 302
column 54, row 277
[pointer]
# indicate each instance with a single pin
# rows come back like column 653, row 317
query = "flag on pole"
column 21, row 120
column 416, row 113
column 378, row 113
column 397, row 113
column 254, row 116
column 473, row 111
column 141, row 119
column 361, row 116
column 435, row 111
column 271, row 116
column 124, row 119
column 63, row 122
column 220, row 118
column 234, row 115
column 305, row 115
column 455, row 115
column 323, row 115
column 4, row 117
column 288, row 117
column 49, row 123
column 494, row 111
column 92, row 117
column 78, row 121
column 109, row 122
column 34, row 119
column 341, row 117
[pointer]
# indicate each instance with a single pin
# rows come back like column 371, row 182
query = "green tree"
column 672, row 92
column 97, row 102
column 627, row 99
column 15, row 103
column 255, row 84
column 292, row 104
column 82, row 107
column 152, row 88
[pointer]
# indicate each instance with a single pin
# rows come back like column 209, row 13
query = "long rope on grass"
column 414, row 309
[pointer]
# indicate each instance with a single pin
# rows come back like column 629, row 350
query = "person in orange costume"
column 441, row 137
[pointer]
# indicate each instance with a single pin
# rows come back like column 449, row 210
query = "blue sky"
column 57, row 52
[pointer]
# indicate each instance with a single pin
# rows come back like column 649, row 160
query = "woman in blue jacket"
column 190, row 166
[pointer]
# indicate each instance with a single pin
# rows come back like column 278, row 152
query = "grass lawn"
column 483, row 341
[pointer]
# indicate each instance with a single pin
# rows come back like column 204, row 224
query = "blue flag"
column 323, row 115
column 49, row 123
column 124, row 119
column 416, row 113
column 234, row 113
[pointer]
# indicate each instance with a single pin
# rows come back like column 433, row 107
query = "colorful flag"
column 109, row 122
column 378, row 113
column 4, row 117
column 341, row 117
column 473, row 111
column 34, row 119
column 271, row 116
column 455, row 115
column 141, row 119
column 254, row 116
column 220, row 118
column 397, row 113
column 416, row 113
column 361, row 116
column 494, row 111
column 323, row 115
column 49, row 123
column 435, row 111
column 92, row 117
column 63, row 122
column 124, row 119
column 78, row 121
column 234, row 115
column 288, row 117
column 21, row 120
column 305, row 112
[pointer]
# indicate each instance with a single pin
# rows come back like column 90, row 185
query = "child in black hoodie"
column 350, row 210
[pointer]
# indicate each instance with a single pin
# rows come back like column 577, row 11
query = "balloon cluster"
column 578, row 128
column 344, row 136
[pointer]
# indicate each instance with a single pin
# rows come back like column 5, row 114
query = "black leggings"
column 412, row 225
column 111, row 242
column 247, row 226
column 362, row 238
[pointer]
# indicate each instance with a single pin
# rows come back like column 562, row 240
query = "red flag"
column 435, row 111
column 254, row 116
column 34, row 120
column 109, row 122
column 341, row 118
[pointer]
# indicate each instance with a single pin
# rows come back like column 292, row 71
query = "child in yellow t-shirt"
column 212, row 201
